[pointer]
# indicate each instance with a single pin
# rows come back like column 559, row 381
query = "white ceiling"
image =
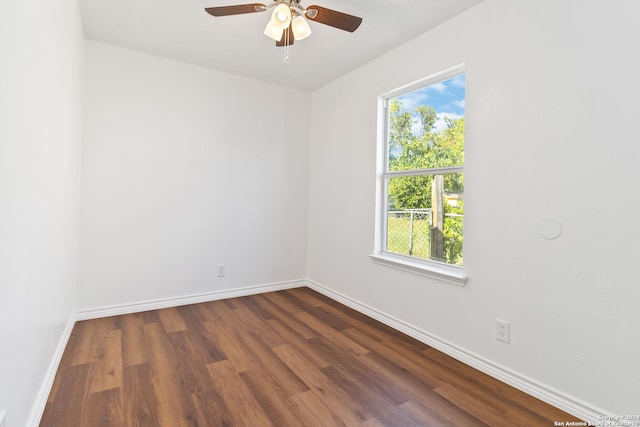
column 182, row 30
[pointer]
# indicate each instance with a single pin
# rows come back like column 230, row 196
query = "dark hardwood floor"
column 288, row 358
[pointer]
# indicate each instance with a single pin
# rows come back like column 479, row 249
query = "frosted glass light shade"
column 300, row 27
column 273, row 31
column 281, row 16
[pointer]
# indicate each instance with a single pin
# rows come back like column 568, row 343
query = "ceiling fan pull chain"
column 286, row 45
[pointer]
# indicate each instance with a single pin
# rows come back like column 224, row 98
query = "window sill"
column 442, row 272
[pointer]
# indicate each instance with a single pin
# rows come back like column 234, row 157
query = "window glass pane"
column 426, row 127
column 425, row 217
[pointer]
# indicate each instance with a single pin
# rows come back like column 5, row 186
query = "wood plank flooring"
column 288, row 358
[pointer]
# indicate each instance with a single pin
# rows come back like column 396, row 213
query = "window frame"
column 441, row 271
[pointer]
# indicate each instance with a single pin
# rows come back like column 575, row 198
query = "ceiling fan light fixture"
column 273, row 32
column 289, row 20
column 281, row 16
column 300, row 27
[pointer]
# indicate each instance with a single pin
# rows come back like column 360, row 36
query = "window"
column 420, row 214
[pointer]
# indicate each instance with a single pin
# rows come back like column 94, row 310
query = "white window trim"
column 436, row 270
column 432, row 269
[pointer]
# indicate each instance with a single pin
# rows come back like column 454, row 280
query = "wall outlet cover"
column 221, row 271
column 503, row 332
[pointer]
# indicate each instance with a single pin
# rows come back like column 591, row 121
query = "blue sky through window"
column 446, row 97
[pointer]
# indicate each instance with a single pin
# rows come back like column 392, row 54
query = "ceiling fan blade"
column 236, row 9
column 283, row 41
column 333, row 18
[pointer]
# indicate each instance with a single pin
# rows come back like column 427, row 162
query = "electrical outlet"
column 221, row 271
column 502, row 331
column 3, row 419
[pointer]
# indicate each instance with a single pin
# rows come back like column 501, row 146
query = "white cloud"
column 441, row 123
column 416, row 126
column 460, row 103
column 459, row 81
column 412, row 99
column 439, row 87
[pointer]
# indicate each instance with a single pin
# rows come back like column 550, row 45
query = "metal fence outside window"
column 409, row 232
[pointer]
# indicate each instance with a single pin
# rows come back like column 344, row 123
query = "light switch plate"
column 3, row 419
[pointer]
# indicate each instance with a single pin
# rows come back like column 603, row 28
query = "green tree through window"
column 424, row 172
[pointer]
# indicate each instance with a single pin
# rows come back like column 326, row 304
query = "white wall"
column 40, row 135
column 185, row 168
column 552, row 107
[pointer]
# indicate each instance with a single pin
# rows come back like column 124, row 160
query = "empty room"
column 331, row 213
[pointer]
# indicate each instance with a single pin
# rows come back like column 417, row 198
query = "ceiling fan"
column 288, row 18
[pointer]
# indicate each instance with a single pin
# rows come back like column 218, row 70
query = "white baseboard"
column 543, row 392
column 117, row 310
column 45, row 388
column 534, row 388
